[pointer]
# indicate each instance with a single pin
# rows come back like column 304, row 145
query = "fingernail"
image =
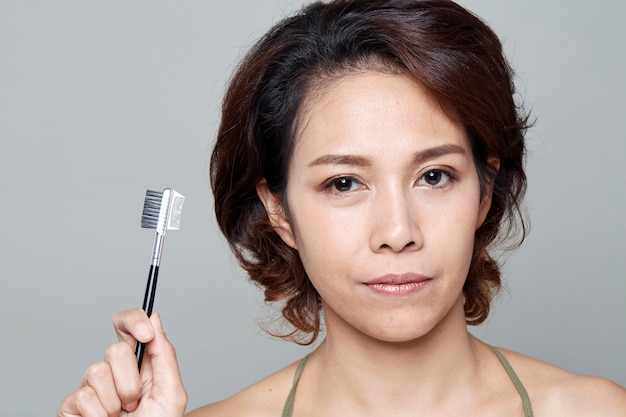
column 159, row 325
column 143, row 332
column 131, row 406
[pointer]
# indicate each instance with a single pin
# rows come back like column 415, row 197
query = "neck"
column 427, row 370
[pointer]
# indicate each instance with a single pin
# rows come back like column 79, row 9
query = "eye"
column 343, row 184
column 435, row 178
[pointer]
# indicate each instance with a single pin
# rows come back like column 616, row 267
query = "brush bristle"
column 151, row 209
column 162, row 210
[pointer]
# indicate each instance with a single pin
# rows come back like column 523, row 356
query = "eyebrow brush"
column 161, row 211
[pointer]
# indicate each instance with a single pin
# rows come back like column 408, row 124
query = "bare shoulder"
column 555, row 391
column 264, row 398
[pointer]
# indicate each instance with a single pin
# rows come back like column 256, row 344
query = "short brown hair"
column 450, row 52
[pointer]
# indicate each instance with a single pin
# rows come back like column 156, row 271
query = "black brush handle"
column 148, row 303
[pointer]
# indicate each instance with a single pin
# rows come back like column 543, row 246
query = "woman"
column 370, row 154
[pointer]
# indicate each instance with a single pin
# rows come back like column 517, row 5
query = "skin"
column 375, row 143
column 113, row 387
column 382, row 203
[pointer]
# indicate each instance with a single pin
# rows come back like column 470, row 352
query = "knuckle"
column 87, row 402
column 123, row 317
column 97, row 371
column 117, row 350
column 85, row 396
column 119, row 317
column 170, row 350
column 137, row 313
column 127, row 322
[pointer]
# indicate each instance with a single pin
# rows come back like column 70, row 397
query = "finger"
column 83, row 402
column 99, row 377
column 133, row 325
column 167, row 383
column 121, row 359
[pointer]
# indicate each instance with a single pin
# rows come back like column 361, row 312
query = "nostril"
column 408, row 245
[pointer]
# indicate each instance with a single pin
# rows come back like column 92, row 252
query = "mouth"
column 398, row 286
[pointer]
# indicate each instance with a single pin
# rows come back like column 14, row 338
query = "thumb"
column 167, row 386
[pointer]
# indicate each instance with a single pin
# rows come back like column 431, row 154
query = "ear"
column 276, row 213
column 493, row 162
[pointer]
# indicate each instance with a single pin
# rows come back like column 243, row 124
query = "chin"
column 403, row 330
column 402, row 333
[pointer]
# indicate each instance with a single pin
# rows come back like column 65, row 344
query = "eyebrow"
column 357, row 160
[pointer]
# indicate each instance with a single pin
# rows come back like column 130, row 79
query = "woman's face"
column 383, row 201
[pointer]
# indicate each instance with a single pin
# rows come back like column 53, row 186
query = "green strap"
column 528, row 410
column 291, row 399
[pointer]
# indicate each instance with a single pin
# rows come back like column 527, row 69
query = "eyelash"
column 451, row 177
column 331, row 185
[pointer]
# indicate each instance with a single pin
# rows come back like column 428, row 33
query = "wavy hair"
column 449, row 51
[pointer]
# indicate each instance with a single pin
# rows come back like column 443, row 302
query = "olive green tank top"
column 528, row 411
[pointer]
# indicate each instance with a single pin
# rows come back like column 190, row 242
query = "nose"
column 395, row 223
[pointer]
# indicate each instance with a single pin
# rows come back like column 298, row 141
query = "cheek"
column 460, row 242
column 328, row 240
column 448, row 228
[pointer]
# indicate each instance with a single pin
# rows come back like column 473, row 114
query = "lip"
column 398, row 285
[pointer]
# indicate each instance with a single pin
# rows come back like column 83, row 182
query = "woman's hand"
column 114, row 387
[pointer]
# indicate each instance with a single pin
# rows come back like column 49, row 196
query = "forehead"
column 372, row 108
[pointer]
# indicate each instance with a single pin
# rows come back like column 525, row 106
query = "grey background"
column 101, row 100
